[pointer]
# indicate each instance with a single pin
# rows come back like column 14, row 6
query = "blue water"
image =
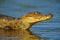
column 46, row 29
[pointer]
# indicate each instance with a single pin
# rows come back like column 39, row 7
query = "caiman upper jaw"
column 46, row 17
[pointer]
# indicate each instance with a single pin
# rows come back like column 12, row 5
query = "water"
column 49, row 29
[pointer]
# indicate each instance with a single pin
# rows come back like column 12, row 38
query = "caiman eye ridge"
column 23, row 22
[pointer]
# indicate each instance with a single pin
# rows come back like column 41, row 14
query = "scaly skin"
column 26, row 21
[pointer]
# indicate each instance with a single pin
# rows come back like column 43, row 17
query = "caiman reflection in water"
column 17, row 35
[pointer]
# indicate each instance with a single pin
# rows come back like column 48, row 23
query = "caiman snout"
column 49, row 16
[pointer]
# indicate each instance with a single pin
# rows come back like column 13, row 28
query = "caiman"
column 24, row 22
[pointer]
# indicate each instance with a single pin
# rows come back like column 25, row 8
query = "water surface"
column 49, row 29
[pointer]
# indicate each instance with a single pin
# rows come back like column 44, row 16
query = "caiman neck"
column 25, row 24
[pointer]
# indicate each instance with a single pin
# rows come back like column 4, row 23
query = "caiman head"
column 33, row 17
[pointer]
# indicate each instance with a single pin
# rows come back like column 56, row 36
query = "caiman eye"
column 19, row 18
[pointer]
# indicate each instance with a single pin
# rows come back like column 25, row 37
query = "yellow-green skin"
column 25, row 21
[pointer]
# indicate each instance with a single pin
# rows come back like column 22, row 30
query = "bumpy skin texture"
column 24, row 22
